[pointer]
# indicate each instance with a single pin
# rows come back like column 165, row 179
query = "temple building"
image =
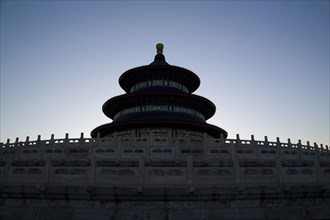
column 159, row 101
column 159, row 159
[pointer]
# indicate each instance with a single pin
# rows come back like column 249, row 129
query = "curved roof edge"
column 142, row 73
column 117, row 103
column 109, row 128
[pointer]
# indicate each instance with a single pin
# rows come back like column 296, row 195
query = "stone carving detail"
column 297, row 163
column 18, row 171
column 268, row 159
column 162, row 172
column 76, row 171
column 53, row 151
column 297, row 172
column 254, row 163
column 27, row 151
column 26, row 171
column 61, row 171
column 213, row 172
column 29, row 163
column 34, row 171
column 112, row 172
column 78, row 150
column 292, row 172
column 268, row 151
column 251, row 172
column 267, row 172
column 71, row 162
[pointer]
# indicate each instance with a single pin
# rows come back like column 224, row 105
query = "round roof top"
column 159, row 72
column 159, row 69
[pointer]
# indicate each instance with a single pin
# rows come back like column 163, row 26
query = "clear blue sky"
column 265, row 65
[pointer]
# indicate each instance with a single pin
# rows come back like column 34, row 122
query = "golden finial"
column 160, row 48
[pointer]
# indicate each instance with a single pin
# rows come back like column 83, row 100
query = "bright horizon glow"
column 264, row 64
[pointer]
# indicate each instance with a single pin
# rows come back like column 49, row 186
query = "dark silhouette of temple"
column 159, row 159
column 159, row 97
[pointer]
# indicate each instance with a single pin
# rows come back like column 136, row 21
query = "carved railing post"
column 8, row 142
column 27, row 141
column 289, row 143
column 278, row 161
column 278, row 142
column 51, row 141
column 308, row 146
column 300, row 149
column 81, row 139
column 253, row 142
column 16, row 142
column 66, row 140
column 316, row 166
column 266, row 143
column 238, row 141
column 38, row 141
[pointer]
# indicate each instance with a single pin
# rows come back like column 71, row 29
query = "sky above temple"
column 264, row 64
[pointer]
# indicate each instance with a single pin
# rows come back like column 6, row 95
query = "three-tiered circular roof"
column 159, row 95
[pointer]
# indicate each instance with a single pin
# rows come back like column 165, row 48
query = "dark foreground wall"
column 164, row 178
column 309, row 208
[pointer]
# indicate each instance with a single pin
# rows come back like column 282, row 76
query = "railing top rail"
column 207, row 140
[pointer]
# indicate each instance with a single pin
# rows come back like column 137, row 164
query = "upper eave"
column 159, row 72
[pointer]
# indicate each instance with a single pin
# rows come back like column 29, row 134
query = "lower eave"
column 107, row 129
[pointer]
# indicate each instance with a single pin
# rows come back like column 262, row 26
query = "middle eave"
column 118, row 103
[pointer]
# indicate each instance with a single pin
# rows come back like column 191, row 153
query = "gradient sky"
column 265, row 65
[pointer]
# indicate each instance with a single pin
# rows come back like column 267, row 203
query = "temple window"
column 163, row 108
column 159, row 83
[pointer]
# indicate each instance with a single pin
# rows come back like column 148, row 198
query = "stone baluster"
column 235, row 159
column 317, row 167
column 66, row 139
column 278, row 142
column 8, row 142
column 238, row 141
column 289, row 143
column 38, row 141
column 253, row 141
column 51, row 141
column 280, row 171
column 27, row 140
column 300, row 150
column 81, row 140
column 266, row 144
column 16, row 142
